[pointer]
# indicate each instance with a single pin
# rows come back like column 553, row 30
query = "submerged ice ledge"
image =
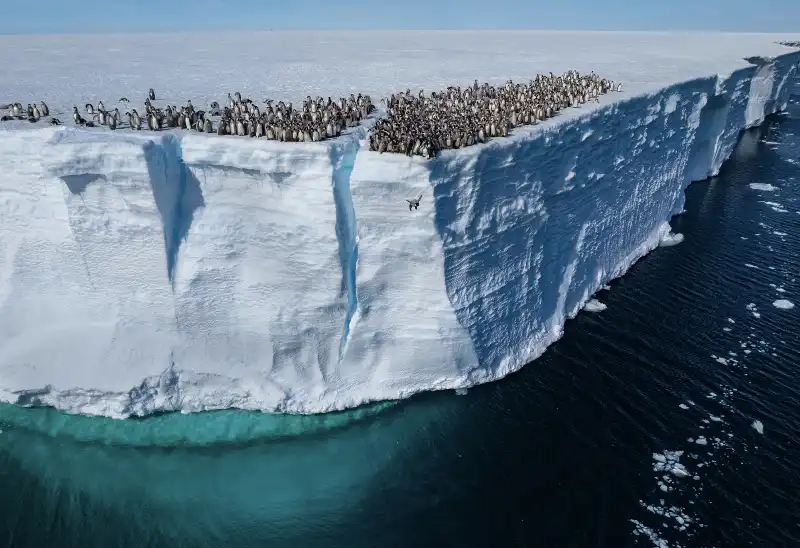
column 188, row 272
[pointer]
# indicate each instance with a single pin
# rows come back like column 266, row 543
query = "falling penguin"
column 414, row 203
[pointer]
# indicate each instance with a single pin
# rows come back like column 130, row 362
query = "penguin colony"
column 455, row 118
column 415, row 124
column 316, row 120
column 790, row 44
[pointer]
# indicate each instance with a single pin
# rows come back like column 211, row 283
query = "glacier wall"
column 176, row 271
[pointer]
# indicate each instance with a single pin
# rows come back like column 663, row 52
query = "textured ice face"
column 180, row 271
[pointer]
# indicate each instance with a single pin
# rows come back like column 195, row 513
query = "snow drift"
column 176, row 271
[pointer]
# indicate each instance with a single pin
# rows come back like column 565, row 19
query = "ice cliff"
column 176, row 271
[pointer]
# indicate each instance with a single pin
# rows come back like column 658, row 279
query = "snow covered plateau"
column 142, row 272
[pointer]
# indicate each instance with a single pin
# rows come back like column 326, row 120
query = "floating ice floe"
column 783, row 304
column 671, row 239
column 593, row 305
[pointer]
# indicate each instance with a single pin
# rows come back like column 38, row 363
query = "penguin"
column 151, row 94
column 134, row 120
column 414, row 202
column 208, row 126
column 123, row 100
column 37, row 115
column 45, row 109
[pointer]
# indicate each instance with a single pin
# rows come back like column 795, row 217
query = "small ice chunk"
column 671, row 239
column 461, row 391
column 758, row 427
column 594, row 306
column 763, row 186
column 701, row 441
column 783, row 304
column 679, row 470
column 683, row 406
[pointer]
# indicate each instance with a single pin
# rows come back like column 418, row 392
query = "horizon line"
column 357, row 30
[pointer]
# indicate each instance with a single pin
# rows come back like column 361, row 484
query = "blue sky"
column 77, row 16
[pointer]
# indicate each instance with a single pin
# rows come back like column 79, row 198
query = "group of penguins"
column 315, row 121
column 425, row 124
column 414, row 124
column 33, row 113
column 790, row 44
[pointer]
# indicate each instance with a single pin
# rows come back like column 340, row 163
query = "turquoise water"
column 197, row 479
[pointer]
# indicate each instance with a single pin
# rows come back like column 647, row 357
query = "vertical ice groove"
column 343, row 157
column 176, row 191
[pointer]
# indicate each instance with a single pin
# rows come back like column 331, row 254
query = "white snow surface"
column 176, row 271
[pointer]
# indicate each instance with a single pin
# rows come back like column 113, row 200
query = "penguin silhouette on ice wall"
column 414, row 203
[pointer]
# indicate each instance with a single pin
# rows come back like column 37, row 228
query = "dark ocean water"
column 578, row 449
